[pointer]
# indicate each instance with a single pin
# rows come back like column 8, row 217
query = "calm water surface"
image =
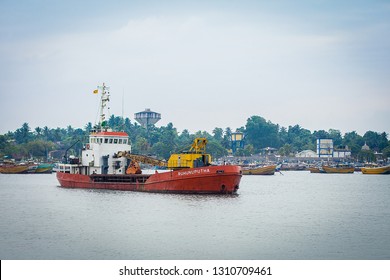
column 297, row 215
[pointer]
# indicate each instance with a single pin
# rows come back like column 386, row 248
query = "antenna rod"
column 103, row 103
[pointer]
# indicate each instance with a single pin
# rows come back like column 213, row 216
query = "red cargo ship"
column 202, row 180
column 107, row 163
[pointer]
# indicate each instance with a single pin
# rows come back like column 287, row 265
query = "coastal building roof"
column 306, row 153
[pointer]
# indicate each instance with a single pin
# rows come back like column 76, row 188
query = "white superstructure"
column 100, row 153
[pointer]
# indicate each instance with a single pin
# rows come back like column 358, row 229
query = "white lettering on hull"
column 193, row 172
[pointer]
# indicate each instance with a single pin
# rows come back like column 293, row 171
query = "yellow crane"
column 196, row 156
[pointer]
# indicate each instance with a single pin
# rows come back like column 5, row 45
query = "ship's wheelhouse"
column 100, row 152
column 108, row 140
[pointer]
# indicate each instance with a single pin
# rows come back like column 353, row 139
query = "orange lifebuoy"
column 88, row 146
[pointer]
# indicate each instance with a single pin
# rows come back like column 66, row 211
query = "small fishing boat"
column 376, row 170
column 342, row 169
column 316, row 170
column 261, row 170
column 27, row 168
column 14, row 169
column 44, row 168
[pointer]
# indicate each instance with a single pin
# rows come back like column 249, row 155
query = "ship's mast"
column 105, row 98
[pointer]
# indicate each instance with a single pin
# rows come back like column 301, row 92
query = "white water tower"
column 147, row 117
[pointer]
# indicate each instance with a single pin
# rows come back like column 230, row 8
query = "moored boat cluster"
column 26, row 168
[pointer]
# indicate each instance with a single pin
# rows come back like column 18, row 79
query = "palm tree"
column 38, row 132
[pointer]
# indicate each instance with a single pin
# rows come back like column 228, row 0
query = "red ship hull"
column 204, row 180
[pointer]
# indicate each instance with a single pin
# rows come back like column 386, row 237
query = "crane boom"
column 142, row 159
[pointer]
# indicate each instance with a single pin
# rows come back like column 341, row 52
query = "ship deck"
column 131, row 178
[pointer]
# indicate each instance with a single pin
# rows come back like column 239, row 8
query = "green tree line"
column 44, row 142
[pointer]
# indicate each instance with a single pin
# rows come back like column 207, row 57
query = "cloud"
column 201, row 70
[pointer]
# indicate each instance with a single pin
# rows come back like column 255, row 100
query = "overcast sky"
column 201, row 64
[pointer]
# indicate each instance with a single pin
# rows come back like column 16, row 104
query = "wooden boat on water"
column 44, row 168
column 14, row 169
column 316, row 170
column 376, row 170
column 262, row 170
column 28, row 168
column 338, row 169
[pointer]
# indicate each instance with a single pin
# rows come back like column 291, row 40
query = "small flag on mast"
column 95, row 91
